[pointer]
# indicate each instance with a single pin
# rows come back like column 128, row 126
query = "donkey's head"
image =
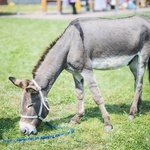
column 34, row 107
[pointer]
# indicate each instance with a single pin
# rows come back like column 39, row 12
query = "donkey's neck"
column 53, row 64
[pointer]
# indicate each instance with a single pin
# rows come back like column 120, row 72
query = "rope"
column 70, row 131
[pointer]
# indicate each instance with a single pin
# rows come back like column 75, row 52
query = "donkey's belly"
column 111, row 63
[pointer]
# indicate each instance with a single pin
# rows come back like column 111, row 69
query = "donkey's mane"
column 47, row 49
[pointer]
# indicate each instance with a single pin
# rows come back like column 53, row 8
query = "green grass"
column 22, row 41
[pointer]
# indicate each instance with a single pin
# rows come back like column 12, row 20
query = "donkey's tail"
column 148, row 67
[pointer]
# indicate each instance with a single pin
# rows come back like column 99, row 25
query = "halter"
column 41, row 106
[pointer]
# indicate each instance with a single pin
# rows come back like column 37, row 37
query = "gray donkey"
column 87, row 44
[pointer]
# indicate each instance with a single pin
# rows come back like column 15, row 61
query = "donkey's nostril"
column 25, row 131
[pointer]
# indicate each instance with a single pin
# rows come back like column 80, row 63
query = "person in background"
column 72, row 3
column 112, row 3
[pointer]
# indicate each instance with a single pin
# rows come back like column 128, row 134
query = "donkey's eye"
column 30, row 105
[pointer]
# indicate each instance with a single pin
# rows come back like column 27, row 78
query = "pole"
column 59, row 6
column 44, row 5
column 91, row 5
column 137, row 3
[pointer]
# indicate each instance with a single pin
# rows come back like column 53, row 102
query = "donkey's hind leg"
column 91, row 81
column 134, row 69
column 142, row 59
column 78, row 79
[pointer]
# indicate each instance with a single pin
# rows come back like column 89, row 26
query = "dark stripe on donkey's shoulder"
column 78, row 27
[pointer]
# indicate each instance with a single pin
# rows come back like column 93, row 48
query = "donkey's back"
column 111, row 43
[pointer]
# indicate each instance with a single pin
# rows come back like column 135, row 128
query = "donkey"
column 87, row 44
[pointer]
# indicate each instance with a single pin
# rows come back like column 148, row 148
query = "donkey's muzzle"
column 27, row 129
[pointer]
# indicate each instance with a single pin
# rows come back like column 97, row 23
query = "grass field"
column 22, row 41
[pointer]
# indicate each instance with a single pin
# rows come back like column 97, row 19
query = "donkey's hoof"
column 73, row 122
column 77, row 121
column 131, row 117
column 108, row 128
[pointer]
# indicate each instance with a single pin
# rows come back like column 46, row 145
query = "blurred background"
column 68, row 6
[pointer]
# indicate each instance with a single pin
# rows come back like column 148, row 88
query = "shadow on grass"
column 7, row 124
column 145, row 106
column 94, row 112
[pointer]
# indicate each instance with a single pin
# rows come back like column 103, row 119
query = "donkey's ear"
column 22, row 84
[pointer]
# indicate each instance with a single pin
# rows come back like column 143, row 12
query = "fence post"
column 137, row 2
column 44, row 5
column 78, row 6
column 59, row 6
column 91, row 5
column 117, row 4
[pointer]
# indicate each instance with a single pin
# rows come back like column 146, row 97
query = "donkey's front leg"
column 80, row 95
column 90, row 79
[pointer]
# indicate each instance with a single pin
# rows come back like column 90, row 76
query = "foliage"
column 21, row 43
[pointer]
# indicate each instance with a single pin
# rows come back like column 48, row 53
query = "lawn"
column 22, row 41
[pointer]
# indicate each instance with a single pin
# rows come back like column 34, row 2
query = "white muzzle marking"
column 26, row 128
